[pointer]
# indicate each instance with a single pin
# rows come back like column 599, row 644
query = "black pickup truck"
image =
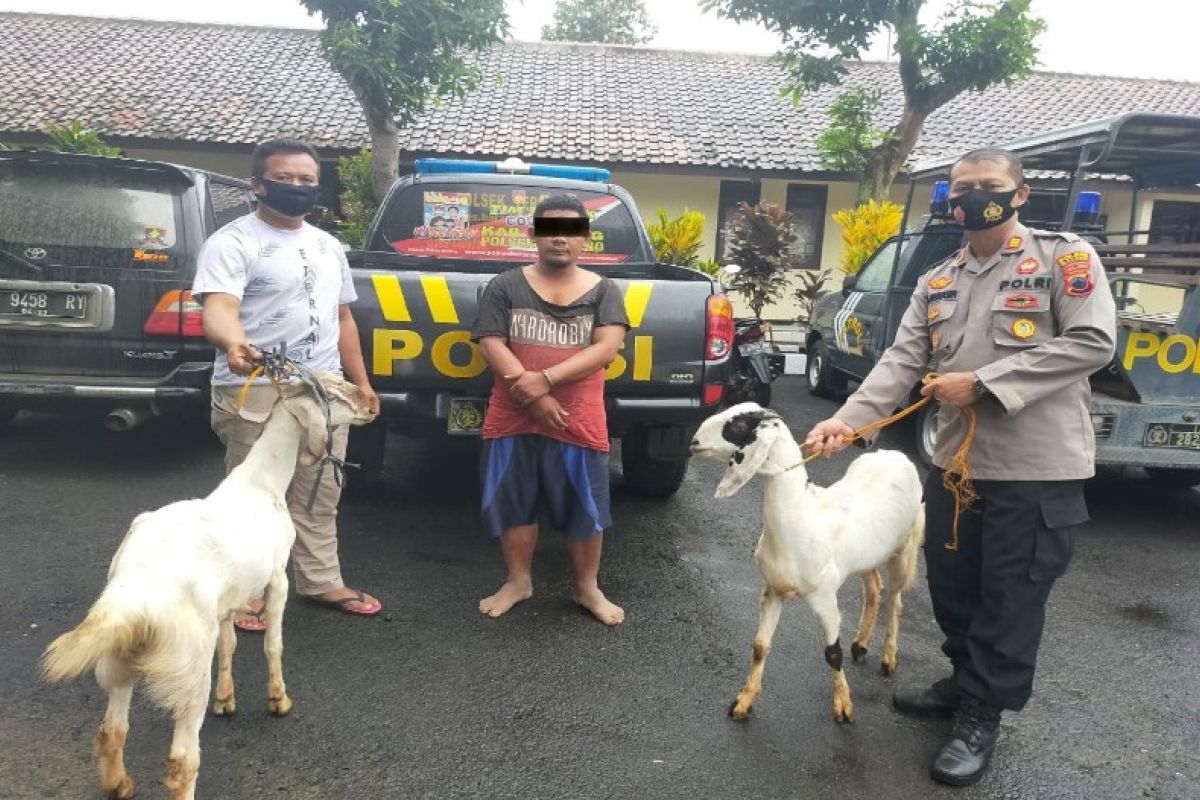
column 97, row 256
column 442, row 233
column 1146, row 403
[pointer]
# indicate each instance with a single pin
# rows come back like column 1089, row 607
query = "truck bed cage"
column 1148, row 149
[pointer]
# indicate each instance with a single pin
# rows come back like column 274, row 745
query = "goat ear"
column 746, row 461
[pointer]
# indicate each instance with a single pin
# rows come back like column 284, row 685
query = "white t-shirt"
column 291, row 284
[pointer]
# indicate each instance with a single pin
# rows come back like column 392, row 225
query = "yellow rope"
column 245, row 390
column 956, row 479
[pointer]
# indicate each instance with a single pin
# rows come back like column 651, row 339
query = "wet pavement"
column 434, row 700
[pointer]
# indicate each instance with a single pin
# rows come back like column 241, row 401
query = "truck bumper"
column 1123, row 433
column 186, row 383
column 426, row 413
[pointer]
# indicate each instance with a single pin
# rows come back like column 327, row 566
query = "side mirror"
column 848, row 284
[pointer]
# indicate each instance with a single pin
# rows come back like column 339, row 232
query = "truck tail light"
column 719, row 331
column 713, row 392
column 176, row 314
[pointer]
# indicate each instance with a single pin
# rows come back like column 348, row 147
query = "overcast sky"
column 1150, row 38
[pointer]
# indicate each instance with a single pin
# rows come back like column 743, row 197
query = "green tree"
column 974, row 45
column 604, row 21
column 358, row 198
column 398, row 56
column 74, row 138
column 846, row 145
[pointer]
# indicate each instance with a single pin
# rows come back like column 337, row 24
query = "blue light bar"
column 434, row 166
column 1088, row 203
column 449, row 166
column 941, row 190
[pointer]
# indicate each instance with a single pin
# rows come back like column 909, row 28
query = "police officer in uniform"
column 1014, row 324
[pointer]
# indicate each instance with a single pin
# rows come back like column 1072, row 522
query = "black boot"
column 940, row 700
column 963, row 760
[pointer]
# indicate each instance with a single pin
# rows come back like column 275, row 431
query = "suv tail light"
column 176, row 314
column 719, row 331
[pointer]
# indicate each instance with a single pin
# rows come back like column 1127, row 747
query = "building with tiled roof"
column 676, row 128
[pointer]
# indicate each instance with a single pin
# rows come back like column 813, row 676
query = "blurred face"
column 559, row 249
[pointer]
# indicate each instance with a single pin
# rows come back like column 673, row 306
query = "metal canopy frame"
column 1150, row 149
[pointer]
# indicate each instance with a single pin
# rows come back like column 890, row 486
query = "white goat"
column 178, row 578
column 813, row 539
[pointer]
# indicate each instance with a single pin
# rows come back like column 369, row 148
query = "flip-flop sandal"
column 340, row 605
column 258, row 626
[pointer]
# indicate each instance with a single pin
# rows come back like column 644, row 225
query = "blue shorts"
column 526, row 473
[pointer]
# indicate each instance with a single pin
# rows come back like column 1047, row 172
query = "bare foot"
column 594, row 601
column 511, row 593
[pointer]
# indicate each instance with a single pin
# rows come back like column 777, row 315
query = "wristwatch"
column 980, row 390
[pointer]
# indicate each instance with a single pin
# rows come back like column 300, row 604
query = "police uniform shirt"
column 1033, row 321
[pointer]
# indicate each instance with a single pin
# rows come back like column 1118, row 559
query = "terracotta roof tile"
column 606, row 104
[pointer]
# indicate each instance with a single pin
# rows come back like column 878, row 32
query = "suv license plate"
column 17, row 303
column 750, row 348
column 1173, row 435
column 466, row 416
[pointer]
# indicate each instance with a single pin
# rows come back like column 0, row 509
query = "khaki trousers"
column 314, row 553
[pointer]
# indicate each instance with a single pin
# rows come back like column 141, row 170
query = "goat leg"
column 870, row 614
column 117, row 681
column 278, row 702
column 824, row 602
column 768, row 617
column 224, row 703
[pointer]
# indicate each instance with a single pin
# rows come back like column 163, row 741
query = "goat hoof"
column 857, row 652
column 280, row 707
column 739, row 712
column 224, row 706
column 123, row 790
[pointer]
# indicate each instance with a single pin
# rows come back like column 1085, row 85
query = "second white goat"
column 814, row 538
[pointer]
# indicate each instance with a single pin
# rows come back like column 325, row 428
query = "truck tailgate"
column 415, row 328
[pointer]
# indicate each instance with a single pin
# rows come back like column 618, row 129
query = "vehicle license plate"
column 16, row 303
column 750, row 348
column 1174, row 435
column 466, row 416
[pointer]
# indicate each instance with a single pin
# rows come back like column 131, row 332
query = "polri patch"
column 1023, row 328
column 1028, row 266
column 1076, row 269
column 933, row 313
column 941, row 283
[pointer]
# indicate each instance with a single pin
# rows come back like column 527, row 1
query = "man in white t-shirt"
column 271, row 280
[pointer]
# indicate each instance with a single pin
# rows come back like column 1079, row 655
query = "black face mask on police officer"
column 983, row 209
column 287, row 198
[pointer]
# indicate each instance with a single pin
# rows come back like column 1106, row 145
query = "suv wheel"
column 1174, row 478
column 649, row 477
column 822, row 380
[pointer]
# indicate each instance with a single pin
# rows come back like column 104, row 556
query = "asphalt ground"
column 433, row 700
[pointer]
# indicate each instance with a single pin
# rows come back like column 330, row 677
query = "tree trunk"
column 385, row 156
column 885, row 161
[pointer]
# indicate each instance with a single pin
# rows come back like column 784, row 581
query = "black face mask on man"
column 288, row 198
column 983, row 209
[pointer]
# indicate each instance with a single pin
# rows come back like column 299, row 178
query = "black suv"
column 96, row 259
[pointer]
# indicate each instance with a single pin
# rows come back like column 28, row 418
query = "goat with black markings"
column 814, row 538
column 180, row 575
